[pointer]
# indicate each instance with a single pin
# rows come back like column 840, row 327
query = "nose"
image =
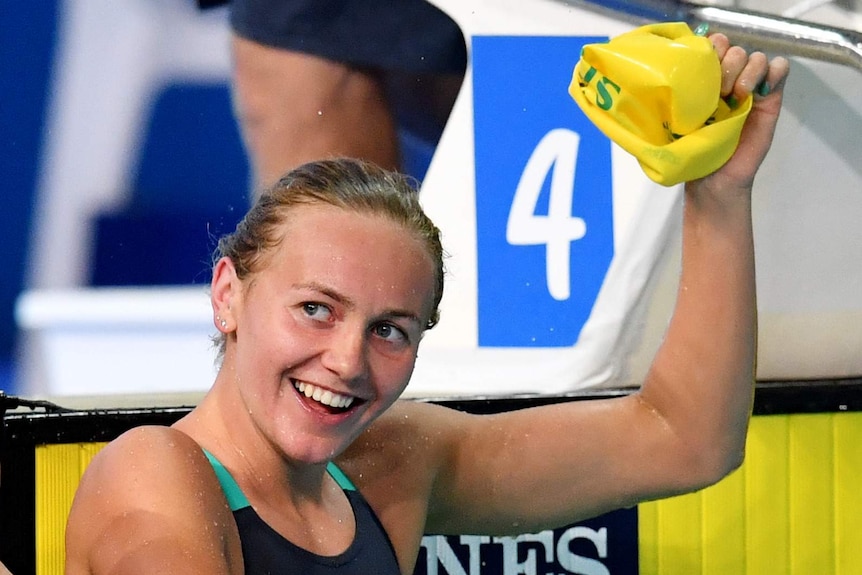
column 346, row 355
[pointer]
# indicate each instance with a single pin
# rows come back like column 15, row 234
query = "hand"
column 744, row 74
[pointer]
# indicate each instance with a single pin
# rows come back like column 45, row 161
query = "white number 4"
column 558, row 150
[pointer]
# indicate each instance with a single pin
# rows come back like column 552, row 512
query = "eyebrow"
column 350, row 304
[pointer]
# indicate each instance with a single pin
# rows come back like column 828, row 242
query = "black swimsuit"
column 265, row 552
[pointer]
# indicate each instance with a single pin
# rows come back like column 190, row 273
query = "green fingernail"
column 763, row 89
column 701, row 30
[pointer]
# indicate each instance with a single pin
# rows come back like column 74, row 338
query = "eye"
column 390, row 332
column 317, row 311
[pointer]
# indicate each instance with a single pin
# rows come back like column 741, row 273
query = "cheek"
column 266, row 326
column 395, row 375
column 263, row 346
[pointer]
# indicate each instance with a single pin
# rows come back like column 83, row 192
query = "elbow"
column 700, row 451
column 734, row 461
column 712, row 464
column 725, row 466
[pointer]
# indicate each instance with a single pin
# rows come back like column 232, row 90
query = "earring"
column 221, row 322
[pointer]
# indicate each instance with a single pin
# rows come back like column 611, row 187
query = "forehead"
column 352, row 251
column 332, row 225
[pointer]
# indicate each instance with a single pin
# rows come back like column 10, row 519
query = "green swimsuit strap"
column 235, row 497
column 340, row 478
column 237, row 500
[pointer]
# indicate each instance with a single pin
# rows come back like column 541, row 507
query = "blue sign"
column 543, row 193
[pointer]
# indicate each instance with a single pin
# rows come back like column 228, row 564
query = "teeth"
column 324, row 396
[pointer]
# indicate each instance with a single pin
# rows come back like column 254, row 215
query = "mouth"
column 324, row 399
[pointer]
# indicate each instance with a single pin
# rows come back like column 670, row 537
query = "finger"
column 751, row 77
column 776, row 75
column 732, row 65
column 721, row 43
column 759, row 128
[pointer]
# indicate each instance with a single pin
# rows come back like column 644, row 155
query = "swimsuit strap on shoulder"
column 339, row 477
column 237, row 500
column 235, row 497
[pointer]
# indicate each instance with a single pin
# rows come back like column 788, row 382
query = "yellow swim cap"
column 655, row 91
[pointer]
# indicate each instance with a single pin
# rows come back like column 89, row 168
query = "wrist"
column 707, row 192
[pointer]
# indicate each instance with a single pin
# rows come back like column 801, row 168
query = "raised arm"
column 536, row 468
column 701, row 381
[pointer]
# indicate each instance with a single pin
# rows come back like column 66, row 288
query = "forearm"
column 701, row 382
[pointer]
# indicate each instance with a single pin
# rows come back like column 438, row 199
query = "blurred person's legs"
column 294, row 107
column 322, row 78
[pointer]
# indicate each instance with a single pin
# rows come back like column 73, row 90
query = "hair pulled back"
column 350, row 184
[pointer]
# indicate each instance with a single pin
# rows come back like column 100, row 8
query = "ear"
column 225, row 287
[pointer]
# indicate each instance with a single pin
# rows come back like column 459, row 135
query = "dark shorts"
column 409, row 36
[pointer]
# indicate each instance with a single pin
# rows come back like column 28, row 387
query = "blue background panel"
column 27, row 33
column 520, row 86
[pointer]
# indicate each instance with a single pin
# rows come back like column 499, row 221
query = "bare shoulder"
column 143, row 460
column 150, row 496
column 396, row 464
column 411, row 437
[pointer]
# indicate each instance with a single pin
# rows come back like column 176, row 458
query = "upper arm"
column 150, row 503
column 542, row 467
column 531, row 469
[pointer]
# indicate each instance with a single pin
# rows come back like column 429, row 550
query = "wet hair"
column 350, row 184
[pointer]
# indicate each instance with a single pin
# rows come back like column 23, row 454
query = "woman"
column 321, row 298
